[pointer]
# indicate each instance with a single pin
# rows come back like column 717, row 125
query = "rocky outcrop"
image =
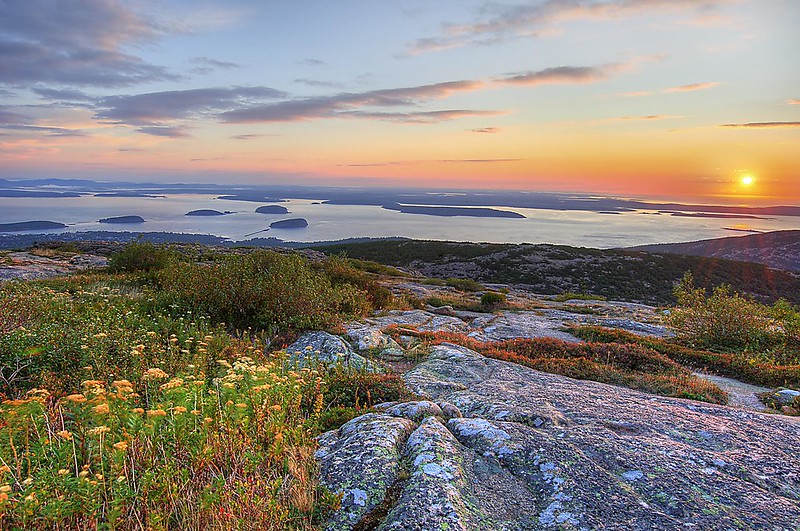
column 322, row 347
column 521, row 449
column 28, row 266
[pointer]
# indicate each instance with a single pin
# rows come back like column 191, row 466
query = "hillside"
column 778, row 250
column 198, row 387
column 551, row 269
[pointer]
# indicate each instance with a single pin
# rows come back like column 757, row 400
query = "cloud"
column 316, row 83
column 566, row 74
column 14, row 121
column 485, row 130
column 499, row 22
column 156, row 108
column 206, row 65
column 795, row 101
column 649, row 117
column 764, row 124
column 165, row 131
column 74, row 42
column 312, row 62
column 352, row 104
column 423, row 117
column 692, row 87
column 64, row 95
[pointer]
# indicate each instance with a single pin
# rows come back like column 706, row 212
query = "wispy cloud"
column 206, row 65
column 76, row 42
column 795, row 101
column 485, row 130
column 498, row 22
column 317, row 83
column 649, row 117
column 692, row 87
column 159, row 108
column 165, row 131
column 14, row 121
column 566, row 74
column 354, row 104
column 764, row 124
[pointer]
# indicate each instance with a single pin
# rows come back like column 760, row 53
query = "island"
column 37, row 194
column 207, row 212
column 296, row 223
column 453, row 211
column 123, row 219
column 31, row 225
column 272, row 209
column 715, row 215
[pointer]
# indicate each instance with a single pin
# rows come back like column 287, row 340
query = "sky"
column 681, row 99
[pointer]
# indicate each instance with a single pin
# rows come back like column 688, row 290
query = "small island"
column 272, row 209
column 122, row 219
column 475, row 212
column 297, row 223
column 207, row 212
column 31, row 225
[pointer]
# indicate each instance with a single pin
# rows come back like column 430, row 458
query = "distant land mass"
column 296, row 223
column 123, row 219
column 719, row 216
column 31, row 225
column 36, row 193
column 255, row 197
column 272, row 209
column 453, row 211
column 779, row 249
column 127, row 194
column 207, row 212
column 371, row 196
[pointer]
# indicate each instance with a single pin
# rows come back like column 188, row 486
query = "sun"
column 747, row 180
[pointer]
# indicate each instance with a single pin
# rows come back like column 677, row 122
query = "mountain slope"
column 779, row 249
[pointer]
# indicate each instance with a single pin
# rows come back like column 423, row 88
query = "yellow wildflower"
column 5, row 488
column 121, row 446
column 179, row 409
column 63, row 472
column 154, row 374
column 100, row 430
column 101, row 409
column 156, row 413
column 138, row 410
column 64, row 434
column 77, row 398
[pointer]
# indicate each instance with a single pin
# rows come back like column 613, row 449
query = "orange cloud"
column 692, row 87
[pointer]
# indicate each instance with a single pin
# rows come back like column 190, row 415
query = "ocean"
column 327, row 222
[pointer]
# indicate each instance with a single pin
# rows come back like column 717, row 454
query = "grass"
column 740, row 366
column 131, row 400
column 629, row 365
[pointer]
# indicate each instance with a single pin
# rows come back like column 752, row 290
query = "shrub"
column 723, row 321
column 140, row 256
column 491, row 300
column 464, row 284
column 264, row 290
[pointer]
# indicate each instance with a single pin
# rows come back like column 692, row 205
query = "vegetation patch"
column 128, row 404
column 633, row 366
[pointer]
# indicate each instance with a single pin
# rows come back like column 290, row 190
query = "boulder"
column 328, row 349
column 786, row 397
column 531, row 450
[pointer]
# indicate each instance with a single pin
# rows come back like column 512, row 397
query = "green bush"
column 491, row 300
column 570, row 295
column 265, row 290
column 724, row 321
column 464, row 284
column 140, row 256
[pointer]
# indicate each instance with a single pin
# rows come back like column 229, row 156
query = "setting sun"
column 747, row 180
